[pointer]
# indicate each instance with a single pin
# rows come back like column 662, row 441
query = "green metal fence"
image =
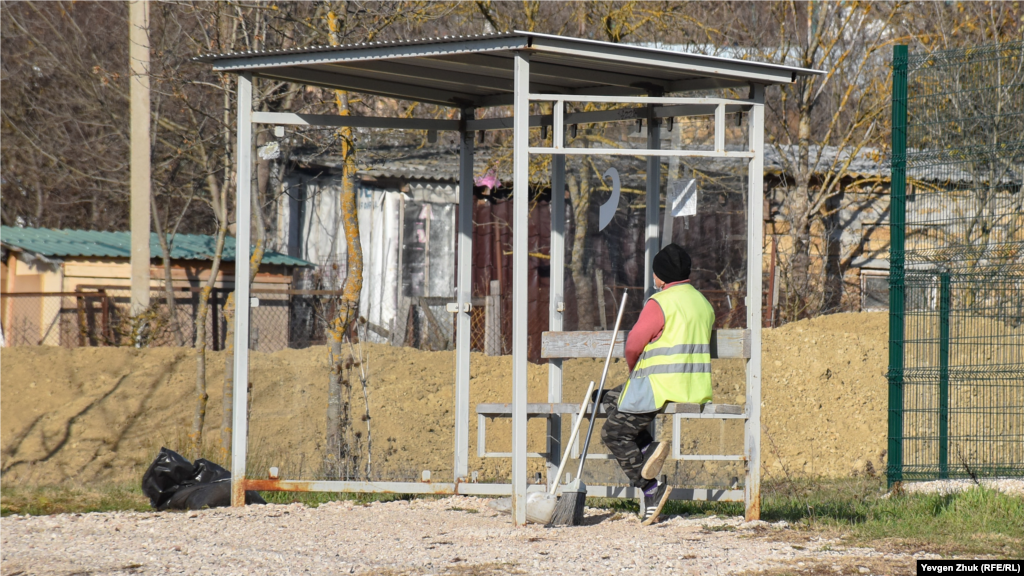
column 956, row 361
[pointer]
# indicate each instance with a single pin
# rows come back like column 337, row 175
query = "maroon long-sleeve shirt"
column 647, row 329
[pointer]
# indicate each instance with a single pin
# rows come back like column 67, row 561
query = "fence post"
column 492, row 320
column 944, row 289
column 83, row 325
column 106, row 318
column 897, row 280
column 773, row 294
column 401, row 325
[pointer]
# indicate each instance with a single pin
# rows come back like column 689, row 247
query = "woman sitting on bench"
column 669, row 356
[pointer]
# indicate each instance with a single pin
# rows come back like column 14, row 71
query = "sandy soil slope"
column 101, row 413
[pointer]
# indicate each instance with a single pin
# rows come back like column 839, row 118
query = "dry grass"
column 45, row 500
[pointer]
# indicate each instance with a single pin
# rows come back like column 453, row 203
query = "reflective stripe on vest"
column 681, row 368
column 677, row 366
column 680, row 349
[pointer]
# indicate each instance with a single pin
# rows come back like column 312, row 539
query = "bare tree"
column 821, row 124
column 64, row 148
column 65, row 98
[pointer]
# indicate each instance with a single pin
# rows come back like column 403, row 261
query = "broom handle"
column 604, row 375
column 572, row 437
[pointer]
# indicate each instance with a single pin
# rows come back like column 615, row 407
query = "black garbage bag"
column 174, row 483
column 165, row 476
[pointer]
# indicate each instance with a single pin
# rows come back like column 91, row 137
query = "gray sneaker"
column 654, row 458
column 652, row 501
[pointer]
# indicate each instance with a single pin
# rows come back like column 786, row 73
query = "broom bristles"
column 569, row 510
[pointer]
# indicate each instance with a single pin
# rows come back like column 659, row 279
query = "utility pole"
column 138, row 57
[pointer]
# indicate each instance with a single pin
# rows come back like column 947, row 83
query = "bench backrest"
column 724, row 344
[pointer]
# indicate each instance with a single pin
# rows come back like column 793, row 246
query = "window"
column 874, row 290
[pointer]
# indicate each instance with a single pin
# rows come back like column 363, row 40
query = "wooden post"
column 776, row 279
column 8, row 314
column 401, row 326
column 434, row 336
column 401, row 250
column 492, row 320
column 82, row 321
column 769, row 311
column 426, row 248
column 106, row 317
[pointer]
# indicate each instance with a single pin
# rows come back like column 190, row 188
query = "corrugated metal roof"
column 441, row 169
column 478, row 70
column 868, row 162
column 442, row 165
column 96, row 244
column 359, row 45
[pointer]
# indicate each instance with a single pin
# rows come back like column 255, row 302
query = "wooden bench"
column 560, row 345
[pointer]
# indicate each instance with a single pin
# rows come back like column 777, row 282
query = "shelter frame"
column 399, row 81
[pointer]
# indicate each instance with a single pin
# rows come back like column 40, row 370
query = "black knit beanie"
column 672, row 264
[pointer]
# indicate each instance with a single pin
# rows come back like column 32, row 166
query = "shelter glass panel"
column 706, row 203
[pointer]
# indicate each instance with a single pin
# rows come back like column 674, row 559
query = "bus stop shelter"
column 517, row 69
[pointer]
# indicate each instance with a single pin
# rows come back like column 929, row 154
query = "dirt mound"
column 101, row 413
column 825, row 396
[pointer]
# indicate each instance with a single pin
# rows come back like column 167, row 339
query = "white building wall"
column 309, row 226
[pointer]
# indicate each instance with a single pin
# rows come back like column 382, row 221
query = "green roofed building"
column 67, row 287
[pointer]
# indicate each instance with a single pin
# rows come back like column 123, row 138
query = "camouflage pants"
column 625, row 434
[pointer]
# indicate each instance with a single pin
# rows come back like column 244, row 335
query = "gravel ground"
column 456, row 536
column 1005, row 485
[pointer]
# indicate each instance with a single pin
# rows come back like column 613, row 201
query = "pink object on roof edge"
column 490, row 179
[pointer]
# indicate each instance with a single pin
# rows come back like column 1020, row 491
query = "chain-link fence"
column 99, row 316
column 957, row 283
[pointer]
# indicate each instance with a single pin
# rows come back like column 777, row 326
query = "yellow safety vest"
column 677, row 366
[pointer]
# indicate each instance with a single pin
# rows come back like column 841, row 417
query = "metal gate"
column 956, row 363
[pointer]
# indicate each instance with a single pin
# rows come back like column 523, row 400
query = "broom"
column 569, row 510
column 538, row 512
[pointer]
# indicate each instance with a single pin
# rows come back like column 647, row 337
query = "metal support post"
column 651, row 244
column 720, row 128
column 755, row 213
column 556, row 295
column 465, row 297
column 558, row 129
column 652, row 240
column 944, row 301
column 520, row 246
column 243, row 204
column 672, row 181
column 897, row 278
